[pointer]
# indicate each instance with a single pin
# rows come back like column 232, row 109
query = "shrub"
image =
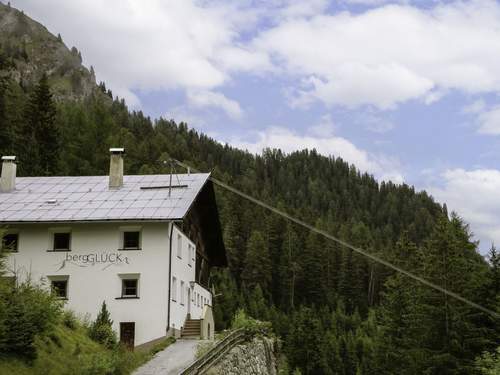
column 69, row 319
column 29, row 311
column 242, row 320
column 101, row 329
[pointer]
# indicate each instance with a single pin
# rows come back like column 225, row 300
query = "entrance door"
column 127, row 334
column 189, row 301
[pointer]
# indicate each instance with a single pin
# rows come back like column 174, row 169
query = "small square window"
column 60, row 288
column 129, row 288
column 10, row 241
column 131, row 240
column 62, row 241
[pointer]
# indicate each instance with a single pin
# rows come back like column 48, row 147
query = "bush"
column 28, row 311
column 70, row 320
column 242, row 320
column 101, row 330
column 489, row 363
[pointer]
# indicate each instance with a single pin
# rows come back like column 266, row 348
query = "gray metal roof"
column 88, row 198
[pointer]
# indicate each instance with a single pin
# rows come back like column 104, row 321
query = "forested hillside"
column 337, row 312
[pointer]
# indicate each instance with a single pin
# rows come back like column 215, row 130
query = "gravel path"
column 171, row 360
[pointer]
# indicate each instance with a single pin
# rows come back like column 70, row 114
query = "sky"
column 408, row 91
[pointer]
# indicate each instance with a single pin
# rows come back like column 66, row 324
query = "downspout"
column 169, row 275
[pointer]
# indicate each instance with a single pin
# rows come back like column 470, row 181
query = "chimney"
column 116, row 168
column 8, row 179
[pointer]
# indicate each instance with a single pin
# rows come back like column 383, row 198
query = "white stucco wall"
column 92, row 283
column 183, row 270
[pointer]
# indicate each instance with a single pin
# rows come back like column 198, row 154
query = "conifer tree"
column 257, row 269
column 41, row 134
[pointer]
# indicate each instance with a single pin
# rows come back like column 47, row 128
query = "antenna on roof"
column 172, row 163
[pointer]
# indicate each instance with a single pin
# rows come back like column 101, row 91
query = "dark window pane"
column 61, row 241
column 131, row 240
column 129, row 288
column 60, row 288
column 9, row 242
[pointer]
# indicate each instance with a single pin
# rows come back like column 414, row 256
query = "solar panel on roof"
column 89, row 198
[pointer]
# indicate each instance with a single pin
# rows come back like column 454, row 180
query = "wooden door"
column 127, row 334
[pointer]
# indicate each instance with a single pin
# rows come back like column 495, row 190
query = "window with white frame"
column 61, row 239
column 59, row 286
column 173, row 292
column 179, row 246
column 198, row 300
column 182, row 292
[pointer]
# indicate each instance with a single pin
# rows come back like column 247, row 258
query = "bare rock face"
column 28, row 50
column 257, row 357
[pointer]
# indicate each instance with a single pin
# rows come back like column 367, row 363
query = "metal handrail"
column 210, row 357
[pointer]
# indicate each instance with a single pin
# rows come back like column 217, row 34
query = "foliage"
column 242, row 321
column 489, row 363
column 28, row 312
column 69, row 319
column 338, row 312
column 101, row 330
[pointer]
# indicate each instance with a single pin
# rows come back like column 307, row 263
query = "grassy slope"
column 72, row 352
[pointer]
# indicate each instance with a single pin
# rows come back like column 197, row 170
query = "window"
column 182, row 292
column 198, row 300
column 130, row 288
column 174, row 289
column 191, row 254
column 59, row 286
column 131, row 240
column 179, row 246
column 10, row 241
column 62, row 241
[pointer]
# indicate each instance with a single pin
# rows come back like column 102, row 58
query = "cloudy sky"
column 406, row 90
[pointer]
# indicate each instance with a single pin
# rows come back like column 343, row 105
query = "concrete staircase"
column 192, row 329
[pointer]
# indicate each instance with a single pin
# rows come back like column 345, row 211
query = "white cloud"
column 383, row 56
column 391, row 54
column 289, row 141
column 325, row 127
column 489, row 121
column 374, row 123
column 475, row 195
column 202, row 99
column 475, row 107
column 153, row 45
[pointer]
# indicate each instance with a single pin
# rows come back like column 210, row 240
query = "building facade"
column 142, row 244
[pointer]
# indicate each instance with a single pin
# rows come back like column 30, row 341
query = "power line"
column 346, row 244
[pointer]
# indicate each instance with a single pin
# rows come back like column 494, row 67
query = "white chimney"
column 116, row 168
column 8, row 179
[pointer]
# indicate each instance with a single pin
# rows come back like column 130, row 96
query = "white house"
column 144, row 244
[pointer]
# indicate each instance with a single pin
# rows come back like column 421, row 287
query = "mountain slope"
column 29, row 50
column 337, row 312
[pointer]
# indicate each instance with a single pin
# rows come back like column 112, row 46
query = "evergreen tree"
column 40, row 134
column 257, row 269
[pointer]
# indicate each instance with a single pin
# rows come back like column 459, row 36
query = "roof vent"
column 116, row 168
column 8, row 179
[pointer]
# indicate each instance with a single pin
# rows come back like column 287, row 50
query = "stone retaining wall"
column 257, row 357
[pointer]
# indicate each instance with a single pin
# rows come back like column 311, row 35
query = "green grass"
column 71, row 352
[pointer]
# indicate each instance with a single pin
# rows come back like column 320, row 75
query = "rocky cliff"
column 28, row 50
